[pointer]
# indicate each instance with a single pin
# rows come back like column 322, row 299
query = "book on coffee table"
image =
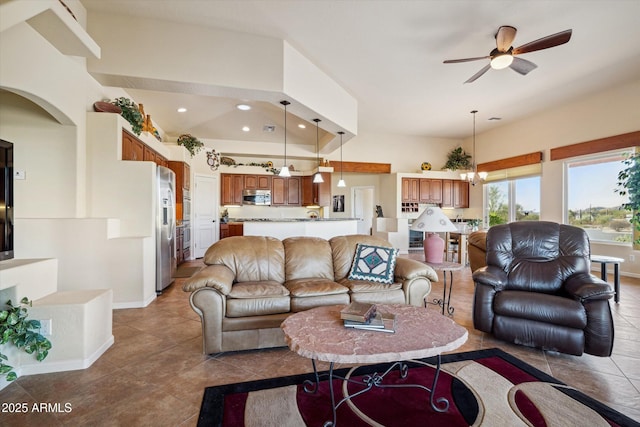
column 381, row 322
column 358, row 311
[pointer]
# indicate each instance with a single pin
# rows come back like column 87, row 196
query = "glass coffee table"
column 319, row 334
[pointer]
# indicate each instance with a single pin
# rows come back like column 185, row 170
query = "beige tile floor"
column 155, row 373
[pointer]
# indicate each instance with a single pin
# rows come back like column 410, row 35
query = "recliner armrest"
column 407, row 268
column 219, row 277
column 491, row 276
column 585, row 286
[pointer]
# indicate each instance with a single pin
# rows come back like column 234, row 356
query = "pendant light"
column 317, row 178
column 474, row 176
column 341, row 183
column 285, row 169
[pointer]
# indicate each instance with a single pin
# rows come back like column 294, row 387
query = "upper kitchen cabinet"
column 430, row 191
column 285, row 191
column 316, row 194
column 460, row 194
column 410, row 190
column 136, row 150
column 231, row 186
column 183, row 176
column 132, row 147
column 257, row 182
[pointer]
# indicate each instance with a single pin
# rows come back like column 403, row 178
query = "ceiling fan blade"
column 479, row 73
column 454, row 61
column 504, row 37
column 522, row 66
column 544, row 43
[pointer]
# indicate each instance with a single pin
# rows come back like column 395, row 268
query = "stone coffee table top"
column 320, row 334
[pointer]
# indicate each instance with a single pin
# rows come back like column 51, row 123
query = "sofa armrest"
column 410, row 269
column 491, row 276
column 219, row 277
column 586, row 287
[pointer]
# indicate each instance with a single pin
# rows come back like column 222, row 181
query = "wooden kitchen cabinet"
column 316, row 194
column 179, row 245
column 410, row 190
column 447, row 193
column 231, row 188
column 231, row 229
column 257, row 182
column 183, row 183
column 286, row 191
column 460, row 194
column 132, row 147
column 430, row 191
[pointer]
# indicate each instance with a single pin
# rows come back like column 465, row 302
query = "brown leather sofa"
column 477, row 248
column 252, row 283
column 537, row 290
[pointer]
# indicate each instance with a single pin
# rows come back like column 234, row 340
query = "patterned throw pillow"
column 374, row 263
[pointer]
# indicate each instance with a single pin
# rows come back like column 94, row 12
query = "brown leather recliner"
column 536, row 290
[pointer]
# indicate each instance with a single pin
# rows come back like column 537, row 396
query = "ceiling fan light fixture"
column 501, row 61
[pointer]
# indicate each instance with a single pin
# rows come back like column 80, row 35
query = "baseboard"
column 134, row 304
column 60, row 366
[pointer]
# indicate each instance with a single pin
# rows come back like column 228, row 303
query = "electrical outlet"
column 19, row 174
column 46, row 327
column 632, row 258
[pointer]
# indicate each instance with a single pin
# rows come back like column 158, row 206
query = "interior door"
column 205, row 201
column 363, row 207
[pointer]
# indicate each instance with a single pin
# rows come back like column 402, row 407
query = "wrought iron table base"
column 446, row 299
column 374, row 380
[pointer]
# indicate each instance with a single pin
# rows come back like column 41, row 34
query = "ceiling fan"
column 505, row 55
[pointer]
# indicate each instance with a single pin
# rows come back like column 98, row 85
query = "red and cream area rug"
column 483, row 388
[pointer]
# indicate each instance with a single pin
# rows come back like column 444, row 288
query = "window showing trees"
column 592, row 200
column 512, row 200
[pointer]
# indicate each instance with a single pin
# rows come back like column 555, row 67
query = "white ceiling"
column 389, row 55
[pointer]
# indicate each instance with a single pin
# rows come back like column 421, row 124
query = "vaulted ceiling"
column 389, row 56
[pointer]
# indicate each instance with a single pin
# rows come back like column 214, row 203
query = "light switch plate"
column 19, row 174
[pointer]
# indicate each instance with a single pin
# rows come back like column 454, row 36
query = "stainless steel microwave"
column 256, row 197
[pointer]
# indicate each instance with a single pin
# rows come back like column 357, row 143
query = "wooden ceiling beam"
column 511, row 162
column 626, row 140
column 360, row 167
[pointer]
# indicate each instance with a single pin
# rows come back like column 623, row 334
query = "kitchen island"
column 325, row 228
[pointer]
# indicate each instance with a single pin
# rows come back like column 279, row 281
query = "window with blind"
column 591, row 198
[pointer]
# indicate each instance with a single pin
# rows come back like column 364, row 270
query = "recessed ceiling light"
column 182, row 110
column 243, row 107
column 268, row 128
column 246, row 128
column 302, row 126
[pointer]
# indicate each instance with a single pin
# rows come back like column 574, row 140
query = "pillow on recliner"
column 374, row 263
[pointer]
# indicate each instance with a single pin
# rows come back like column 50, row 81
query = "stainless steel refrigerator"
column 165, row 228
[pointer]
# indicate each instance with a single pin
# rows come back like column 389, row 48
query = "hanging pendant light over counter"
column 285, row 169
column 317, row 178
column 341, row 183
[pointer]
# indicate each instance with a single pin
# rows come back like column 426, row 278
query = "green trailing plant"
column 131, row 113
column 458, row 159
column 191, row 143
column 629, row 184
column 16, row 329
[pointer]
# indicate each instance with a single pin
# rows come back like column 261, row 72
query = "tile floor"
column 155, row 373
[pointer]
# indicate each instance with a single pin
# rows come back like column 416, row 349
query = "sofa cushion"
column 301, row 288
column 374, row 263
column 307, row 257
column 263, row 289
column 360, row 286
column 240, row 307
column 251, row 258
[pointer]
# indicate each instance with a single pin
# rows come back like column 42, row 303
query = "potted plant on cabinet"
column 191, row 143
column 458, row 159
column 131, row 113
column 22, row 333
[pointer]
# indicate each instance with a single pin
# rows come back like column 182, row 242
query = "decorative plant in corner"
column 629, row 184
column 458, row 159
column 24, row 334
column 191, row 143
column 131, row 113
